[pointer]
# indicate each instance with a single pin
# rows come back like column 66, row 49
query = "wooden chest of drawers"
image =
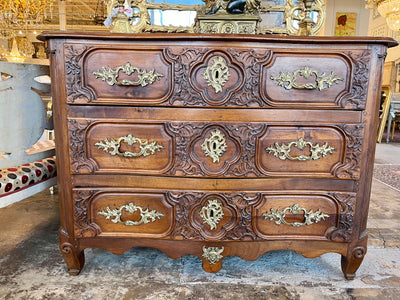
column 215, row 145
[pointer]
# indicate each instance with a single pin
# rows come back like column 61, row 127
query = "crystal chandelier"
column 389, row 9
column 17, row 13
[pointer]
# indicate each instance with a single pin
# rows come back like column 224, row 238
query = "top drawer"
column 216, row 77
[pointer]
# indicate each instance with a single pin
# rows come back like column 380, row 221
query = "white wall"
column 354, row 6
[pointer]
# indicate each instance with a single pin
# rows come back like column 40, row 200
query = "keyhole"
column 216, row 74
column 214, row 146
column 212, row 213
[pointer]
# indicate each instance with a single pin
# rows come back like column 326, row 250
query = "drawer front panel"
column 199, row 215
column 207, row 149
column 111, row 212
column 216, row 77
column 117, row 147
column 117, row 76
column 307, row 150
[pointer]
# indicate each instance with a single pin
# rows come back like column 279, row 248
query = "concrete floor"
column 31, row 266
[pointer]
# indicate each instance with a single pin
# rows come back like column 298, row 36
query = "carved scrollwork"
column 357, row 97
column 347, row 202
column 83, row 227
column 316, row 150
column 110, row 75
column 243, row 136
column 76, row 133
column 212, row 254
column 76, row 92
column 114, row 145
column 310, row 216
column 146, row 216
column 350, row 168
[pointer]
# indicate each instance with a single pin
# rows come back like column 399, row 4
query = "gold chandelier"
column 21, row 13
column 389, row 9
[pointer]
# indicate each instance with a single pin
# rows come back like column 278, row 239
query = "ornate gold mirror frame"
column 213, row 17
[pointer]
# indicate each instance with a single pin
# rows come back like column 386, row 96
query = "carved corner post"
column 73, row 256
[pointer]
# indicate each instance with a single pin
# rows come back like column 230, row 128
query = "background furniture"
column 215, row 145
column 27, row 166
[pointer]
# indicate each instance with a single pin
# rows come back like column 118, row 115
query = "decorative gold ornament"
column 111, row 75
column 216, row 17
column 322, row 81
column 389, row 9
column 212, row 254
column 146, row 215
column 316, row 150
column 215, row 146
column 145, row 148
column 212, row 213
column 310, row 216
column 217, row 75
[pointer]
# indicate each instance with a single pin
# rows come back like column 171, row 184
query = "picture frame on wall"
column 345, row 24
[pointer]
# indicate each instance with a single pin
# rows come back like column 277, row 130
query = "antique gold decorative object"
column 215, row 145
column 322, row 81
column 146, row 215
column 217, row 74
column 310, row 216
column 317, row 151
column 224, row 16
column 212, row 254
column 112, row 146
column 212, row 213
column 110, row 75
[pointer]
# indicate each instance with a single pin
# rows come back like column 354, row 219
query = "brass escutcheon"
column 215, row 145
column 217, row 75
column 212, row 213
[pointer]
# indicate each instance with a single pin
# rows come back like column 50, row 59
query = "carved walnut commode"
column 215, row 145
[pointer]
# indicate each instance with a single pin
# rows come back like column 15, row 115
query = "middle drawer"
column 215, row 149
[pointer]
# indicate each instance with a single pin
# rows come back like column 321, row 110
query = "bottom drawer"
column 222, row 216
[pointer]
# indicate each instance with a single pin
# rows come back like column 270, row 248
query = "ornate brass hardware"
column 322, row 81
column 212, row 254
column 316, row 150
column 111, row 75
column 217, row 75
column 146, row 215
column 310, row 216
column 212, row 213
column 215, row 146
column 145, row 148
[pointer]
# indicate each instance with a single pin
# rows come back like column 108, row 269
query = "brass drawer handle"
column 146, row 215
column 310, row 216
column 212, row 254
column 113, row 145
column 316, row 150
column 322, row 81
column 111, row 75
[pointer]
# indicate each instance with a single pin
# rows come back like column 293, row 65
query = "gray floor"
column 31, row 266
